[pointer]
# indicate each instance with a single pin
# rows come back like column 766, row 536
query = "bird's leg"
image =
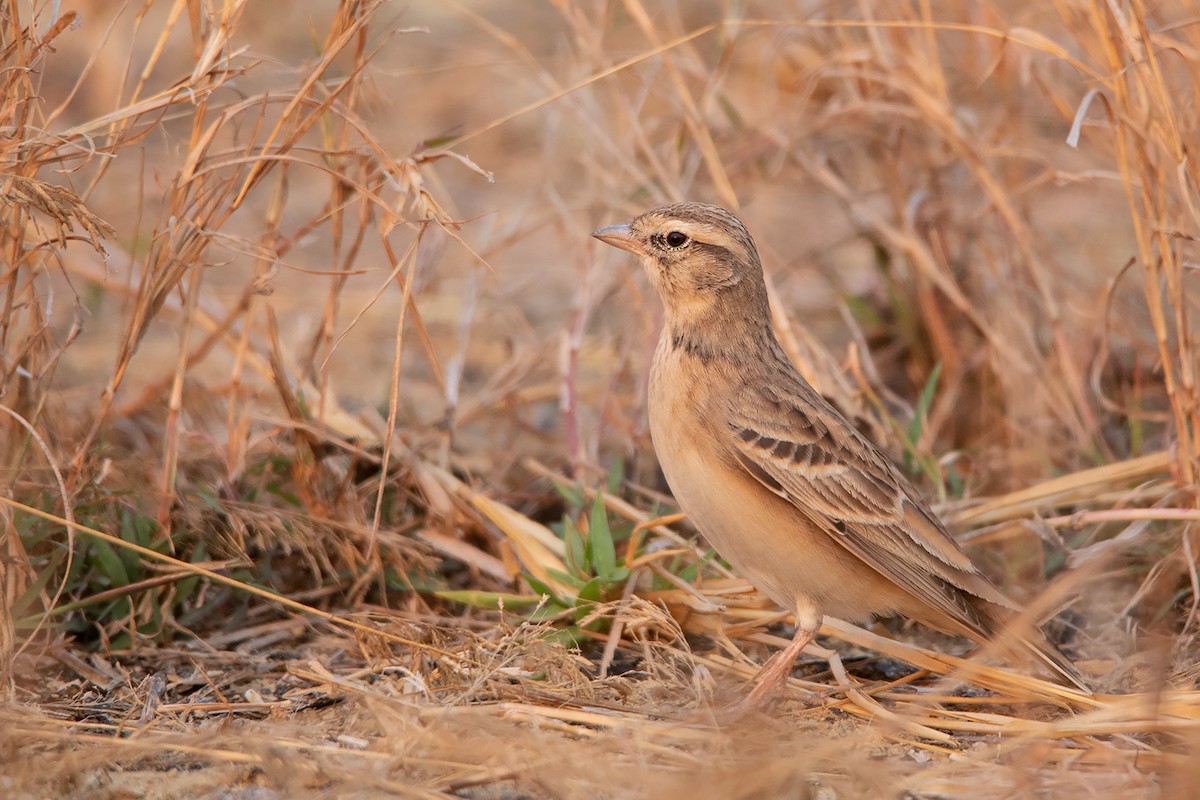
column 779, row 666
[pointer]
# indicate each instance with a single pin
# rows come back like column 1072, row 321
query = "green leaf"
column 544, row 588
column 590, row 596
column 592, row 591
column 572, row 493
column 185, row 588
column 863, row 310
column 569, row 636
column 549, row 613
column 955, row 480
column 210, row 500
column 571, row 580
column 279, row 490
column 577, row 558
column 616, row 476
column 619, row 575
column 110, row 563
column 438, row 142
column 129, row 531
column 600, row 542
column 120, row 608
column 143, row 529
column 1136, row 433
column 154, row 627
column 28, row 598
column 924, row 402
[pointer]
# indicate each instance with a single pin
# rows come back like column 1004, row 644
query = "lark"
column 778, row 481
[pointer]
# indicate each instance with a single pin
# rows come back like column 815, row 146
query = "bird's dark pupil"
column 676, row 239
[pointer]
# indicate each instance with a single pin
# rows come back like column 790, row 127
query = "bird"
column 791, row 494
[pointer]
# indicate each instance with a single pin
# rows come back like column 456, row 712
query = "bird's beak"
column 620, row 236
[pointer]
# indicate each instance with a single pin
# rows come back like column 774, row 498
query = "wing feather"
column 844, row 484
column 799, row 447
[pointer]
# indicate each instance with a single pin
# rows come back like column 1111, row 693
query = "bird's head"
column 699, row 257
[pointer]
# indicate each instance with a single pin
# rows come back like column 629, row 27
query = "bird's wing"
column 799, row 447
column 796, row 445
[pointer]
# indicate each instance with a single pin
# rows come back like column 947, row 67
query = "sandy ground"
column 294, row 710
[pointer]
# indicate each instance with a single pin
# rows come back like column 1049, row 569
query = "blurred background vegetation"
column 306, row 354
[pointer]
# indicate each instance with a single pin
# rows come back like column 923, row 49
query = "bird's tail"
column 1048, row 654
column 1007, row 626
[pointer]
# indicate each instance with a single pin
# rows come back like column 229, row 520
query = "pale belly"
column 764, row 538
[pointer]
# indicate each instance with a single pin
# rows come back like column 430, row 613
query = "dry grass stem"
column 324, row 467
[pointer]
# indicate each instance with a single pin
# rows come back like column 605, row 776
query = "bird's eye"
column 676, row 239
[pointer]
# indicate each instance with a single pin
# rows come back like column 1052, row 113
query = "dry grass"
column 325, row 469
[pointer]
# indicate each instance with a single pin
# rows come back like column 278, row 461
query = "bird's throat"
column 710, row 341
